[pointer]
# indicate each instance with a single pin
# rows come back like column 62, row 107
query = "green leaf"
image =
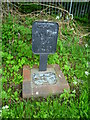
column 67, row 67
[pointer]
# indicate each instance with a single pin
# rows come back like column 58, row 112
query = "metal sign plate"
column 44, row 37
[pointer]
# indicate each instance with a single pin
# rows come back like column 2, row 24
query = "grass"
column 72, row 59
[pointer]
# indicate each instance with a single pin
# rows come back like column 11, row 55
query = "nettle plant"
column 72, row 58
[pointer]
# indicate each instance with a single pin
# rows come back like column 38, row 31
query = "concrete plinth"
column 31, row 89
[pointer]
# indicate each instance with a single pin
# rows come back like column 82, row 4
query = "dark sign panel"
column 44, row 37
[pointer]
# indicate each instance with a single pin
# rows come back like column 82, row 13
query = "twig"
column 53, row 7
column 50, row 6
column 3, row 11
column 30, row 14
column 85, row 35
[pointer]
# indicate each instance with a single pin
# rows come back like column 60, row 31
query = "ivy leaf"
column 66, row 67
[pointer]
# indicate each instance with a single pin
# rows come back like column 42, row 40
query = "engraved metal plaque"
column 44, row 37
column 44, row 40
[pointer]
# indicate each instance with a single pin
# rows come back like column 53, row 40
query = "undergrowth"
column 72, row 59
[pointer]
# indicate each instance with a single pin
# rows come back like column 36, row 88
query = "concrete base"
column 30, row 89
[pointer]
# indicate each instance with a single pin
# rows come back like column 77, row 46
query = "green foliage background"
column 72, row 59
